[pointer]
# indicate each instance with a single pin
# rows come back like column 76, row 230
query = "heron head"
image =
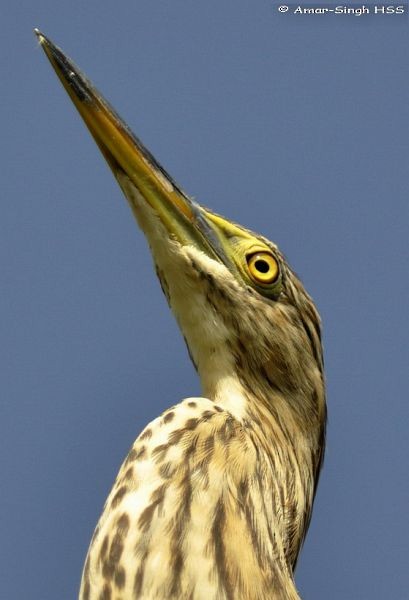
column 242, row 310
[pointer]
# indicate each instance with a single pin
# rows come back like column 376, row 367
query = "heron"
column 214, row 499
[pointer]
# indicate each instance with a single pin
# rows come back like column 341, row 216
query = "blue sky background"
column 296, row 127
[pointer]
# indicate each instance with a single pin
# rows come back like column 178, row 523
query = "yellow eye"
column 263, row 267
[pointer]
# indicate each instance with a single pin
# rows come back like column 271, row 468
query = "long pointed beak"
column 125, row 154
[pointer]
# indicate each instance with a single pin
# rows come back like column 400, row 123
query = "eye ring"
column 263, row 268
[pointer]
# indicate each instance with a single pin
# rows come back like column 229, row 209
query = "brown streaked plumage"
column 214, row 498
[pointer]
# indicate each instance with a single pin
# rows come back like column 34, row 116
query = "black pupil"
column 262, row 266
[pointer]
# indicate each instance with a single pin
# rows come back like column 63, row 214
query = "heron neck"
column 282, row 447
